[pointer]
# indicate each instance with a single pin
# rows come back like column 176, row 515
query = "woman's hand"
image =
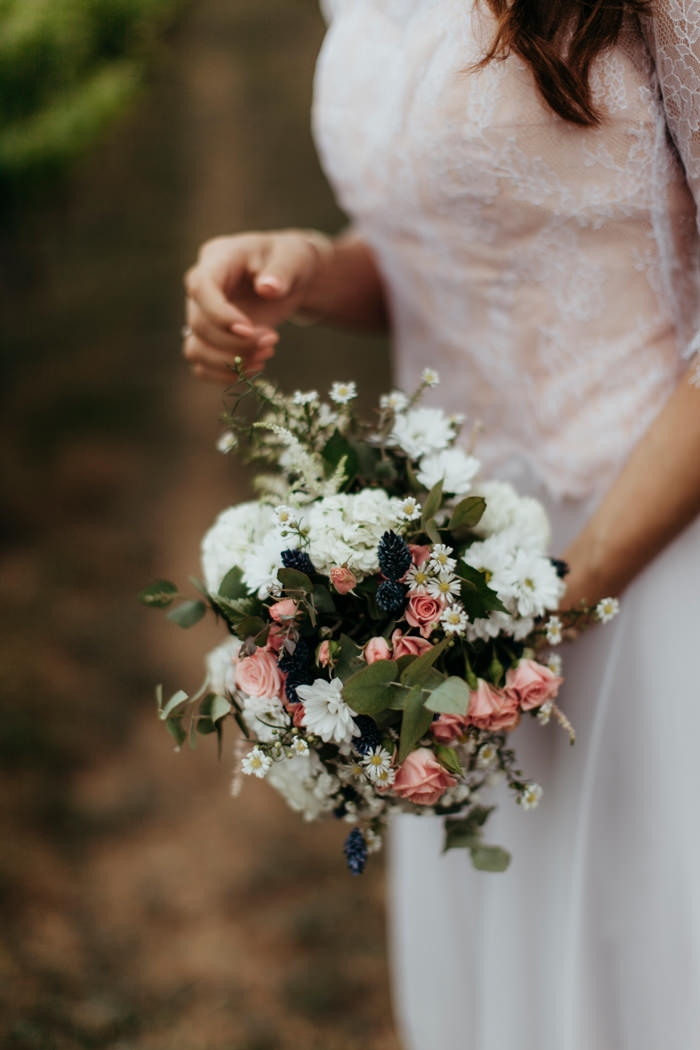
column 238, row 292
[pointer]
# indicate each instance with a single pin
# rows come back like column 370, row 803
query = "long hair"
column 559, row 39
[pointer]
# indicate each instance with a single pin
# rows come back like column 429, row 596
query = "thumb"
column 286, row 262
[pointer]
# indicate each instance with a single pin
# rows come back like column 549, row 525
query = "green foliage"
column 67, row 69
column 188, row 613
column 465, row 833
column 159, row 595
column 450, row 698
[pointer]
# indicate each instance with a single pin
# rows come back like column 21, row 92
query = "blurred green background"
column 141, row 907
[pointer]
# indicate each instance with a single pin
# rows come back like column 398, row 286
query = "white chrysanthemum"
column 297, row 780
column 441, row 559
column 453, row 466
column 227, row 442
column 346, row 530
column 410, row 509
column 220, row 666
column 341, row 393
column 533, row 583
column 430, row 377
column 417, row 579
column 505, row 509
column 454, row 620
column 299, row 746
column 256, row 763
column 420, row 431
column 490, row 627
column 396, row 400
column 286, row 518
column 530, row 796
column 325, row 712
column 376, row 762
column 305, row 397
column 493, row 557
column 261, row 564
column 488, row 754
column 553, row 627
column 606, row 609
column 227, row 543
column 445, row 585
column 263, row 715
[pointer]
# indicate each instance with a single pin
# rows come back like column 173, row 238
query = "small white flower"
column 305, row 397
column 553, row 628
column 396, row 401
column 487, row 756
column 256, row 763
column 430, row 377
column 452, row 466
column 445, row 585
column 299, row 746
column 227, row 442
column 354, row 770
column 545, row 713
column 286, row 517
column 417, row 579
column 376, row 762
column 554, row 663
column 384, row 778
column 341, row 393
column 326, row 713
column 440, row 559
column 420, row 431
column 454, row 619
column 607, row 609
column 409, row 510
column 530, row 797
column 373, row 840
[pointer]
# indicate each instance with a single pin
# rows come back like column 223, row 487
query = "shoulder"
column 329, row 8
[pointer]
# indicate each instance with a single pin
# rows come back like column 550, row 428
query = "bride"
column 523, row 179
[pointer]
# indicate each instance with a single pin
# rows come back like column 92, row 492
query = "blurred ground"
column 141, row 907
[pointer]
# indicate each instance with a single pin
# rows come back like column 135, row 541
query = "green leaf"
column 350, row 659
column 367, row 691
column 475, row 580
column 417, row 671
column 174, row 726
column 187, row 614
column 232, row 585
column 323, row 600
column 250, row 627
column 293, row 580
column 496, row 671
column 234, row 609
column 199, row 586
column 215, row 706
column 158, row 595
column 450, row 698
column 338, row 448
column 415, row 722
column 431, row 504
column 205, row 726
column 489, row 858
column 447, row 757
column 175, row 700
column 467, row 514
column 459, row 834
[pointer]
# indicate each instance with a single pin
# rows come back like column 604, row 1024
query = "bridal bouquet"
column 386, row 611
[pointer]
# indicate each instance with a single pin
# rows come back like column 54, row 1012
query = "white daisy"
column 227, row 442
column 454, row 619
column 299, row 746
column 341, row 393
column 409, row 510
column 533, row 582
column 553, row 628
column 607, row 609
column 445, row 585
column 373, row 840
column 440, row 559
column 554, row 663
column 305, row 397
column 384, row 778
column 326, row 713
column 430, row 377
column 487, row 756
column 256, row 763
column 417, row 579
column 420, row 431
column 530, row 797
column 396, row 401
column 376, row 761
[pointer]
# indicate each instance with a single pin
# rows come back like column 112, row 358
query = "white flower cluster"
column 234, row 538
column 346, row 530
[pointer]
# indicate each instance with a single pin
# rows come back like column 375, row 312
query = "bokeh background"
column 141, row 907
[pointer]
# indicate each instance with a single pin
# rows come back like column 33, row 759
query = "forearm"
column 656, row 494
column 347, row 289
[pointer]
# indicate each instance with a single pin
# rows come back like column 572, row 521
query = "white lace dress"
column 552, row 275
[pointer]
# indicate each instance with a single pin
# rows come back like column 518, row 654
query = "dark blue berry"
column 295, row 678
column 561, row 567
column 391, row 597
column 297, row 660
column 356, row 851
column 394, row 556
column 369, row 738
column 297, row 559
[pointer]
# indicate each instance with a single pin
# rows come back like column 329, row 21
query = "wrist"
column 310, row 309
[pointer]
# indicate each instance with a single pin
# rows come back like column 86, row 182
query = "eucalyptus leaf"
column 417, row 670
column 174, row 727
column 251, row 627
column 450, row 698
column 489, row 858
column 367, row 690
column 232, row 585
column 205, row 726
column 158, row 595
column 187, row 614
column 323, row 600
column 214, row 706
column 293, row 580
column 459, row 834
column 467, row 513
column 175, row 700
column 350, row 659
column 415, row 722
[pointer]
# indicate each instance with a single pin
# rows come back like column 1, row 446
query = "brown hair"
column 559, row 40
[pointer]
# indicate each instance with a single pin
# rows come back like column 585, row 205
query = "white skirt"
column 591, row 939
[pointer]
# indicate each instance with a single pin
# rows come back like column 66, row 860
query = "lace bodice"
column 550, row 272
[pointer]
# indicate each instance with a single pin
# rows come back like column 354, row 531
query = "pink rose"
column 377, row 649
column 491, row 708
column 324, row 654
column 275, row 637
column 420, row 552
column 532, row 684
column 421, row 778
column 448, row 729
column 423, row 611
column 298, row 713
column 342, row 579
column 284, row 610
column 259, row 674
column 408, row 645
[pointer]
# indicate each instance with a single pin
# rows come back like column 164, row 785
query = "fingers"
column 243, row 338
column 208, row 362
column 288, row 260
